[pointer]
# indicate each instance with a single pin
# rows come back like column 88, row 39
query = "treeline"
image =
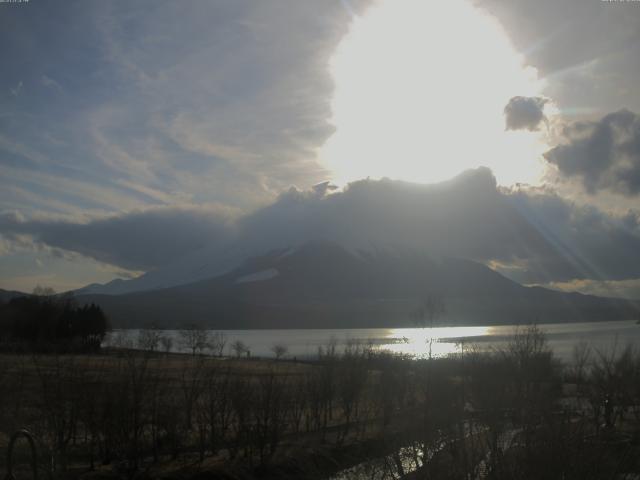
column 51, row 323
column 513, row 413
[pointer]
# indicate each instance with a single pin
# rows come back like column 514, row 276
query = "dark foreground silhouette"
column 51, row 323
column 515, row 413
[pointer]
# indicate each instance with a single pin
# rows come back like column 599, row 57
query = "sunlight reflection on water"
column 434, row 342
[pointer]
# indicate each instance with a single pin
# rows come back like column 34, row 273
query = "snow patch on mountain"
column 286, row 252
column 259, row 276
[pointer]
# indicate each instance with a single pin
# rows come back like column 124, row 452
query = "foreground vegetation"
column 45, row 322
column 516, row 413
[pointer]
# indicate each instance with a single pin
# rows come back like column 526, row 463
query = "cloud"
column 467, row 216
column 50, row 83
column 585, row 51
column 17, row 89
column 224, row 102
column 545, row 237
column 604, row 288
column 531, row 235
column 15, row 148
column 603, row 154
column 525, row 113
column 139, row 240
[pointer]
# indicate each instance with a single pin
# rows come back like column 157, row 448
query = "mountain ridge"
column 323, row 285
column 6, row 295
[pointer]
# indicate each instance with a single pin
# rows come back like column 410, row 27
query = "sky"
column 133, row 135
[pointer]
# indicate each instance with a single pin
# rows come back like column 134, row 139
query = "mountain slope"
column 321, row 285
column 6, row 295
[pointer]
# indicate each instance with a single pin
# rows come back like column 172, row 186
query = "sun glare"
column 420, row 89
column 436, row 342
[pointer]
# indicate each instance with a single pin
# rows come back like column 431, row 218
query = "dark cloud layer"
column 534, row 235
column 524, row 113
column 141, row 240
column 604, row 154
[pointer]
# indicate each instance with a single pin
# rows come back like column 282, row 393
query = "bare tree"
column 241, row 400
column 149, row 339
column 429, row 310
column 167, row 343
column 298, row 402
column 330, row 351
column 216, row 412
column 194, row 338
column 192, row 385
column 269, row 414
column 580, row 357
column 59, row 386
column 120, row 340
column 132, row 404
column 611, row 377
column 279, row 350
column 217, row 343
column 350, row 381
column 40, row 291
column 239, row 348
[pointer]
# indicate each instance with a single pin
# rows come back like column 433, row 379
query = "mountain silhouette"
column 323, row 285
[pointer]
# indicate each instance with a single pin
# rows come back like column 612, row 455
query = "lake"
column 442, row 341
